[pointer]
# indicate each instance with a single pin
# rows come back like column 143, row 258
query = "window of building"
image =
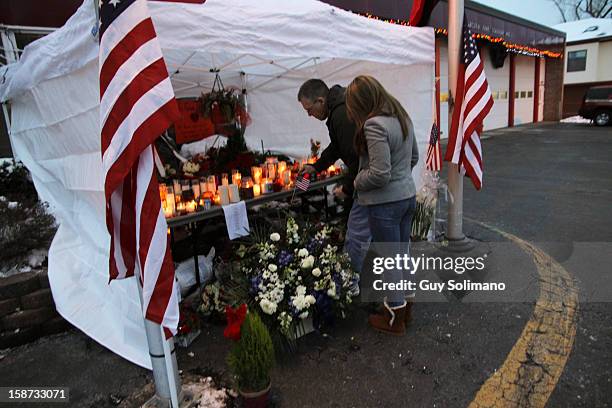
column 576, row 60
column 530, row 94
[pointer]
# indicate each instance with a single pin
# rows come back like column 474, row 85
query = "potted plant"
column 251, row 357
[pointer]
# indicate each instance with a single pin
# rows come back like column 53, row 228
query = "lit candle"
column 217, row 199
column 286, row 177
column 282, row 166
column 176, row 184
column 170, row 204
column 211, row 184
column 332, row 170
column 195, row 186
column 256, row 190
column 236, row 178
column 271, row 171
column 256, row 173
column 224, row 179
column 234, row 193
column 203, row 187
column 190, row 206
column 224, row 195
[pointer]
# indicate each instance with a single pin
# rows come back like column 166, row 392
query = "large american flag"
column 473, row 102
column 136, row 105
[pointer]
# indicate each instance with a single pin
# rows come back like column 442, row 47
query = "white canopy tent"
column 271, row 45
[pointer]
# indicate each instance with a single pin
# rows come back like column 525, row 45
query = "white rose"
column 275, row 236
column 267, row 306
column 272, row 268
column 316, row 272
column 302, row 253
column 307, row 262
column 311, row 299
column 331, row 292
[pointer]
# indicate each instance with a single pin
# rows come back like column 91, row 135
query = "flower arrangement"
column 213, row 303
column 426, row 200
column 297, row 273
column 252, row 355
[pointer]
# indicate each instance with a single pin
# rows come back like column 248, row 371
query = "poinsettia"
column 235, row 317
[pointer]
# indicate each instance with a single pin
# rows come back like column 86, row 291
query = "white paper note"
column 236, row 220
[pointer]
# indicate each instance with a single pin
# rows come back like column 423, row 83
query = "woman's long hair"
column 366, row 98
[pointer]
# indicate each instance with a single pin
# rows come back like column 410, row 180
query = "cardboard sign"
column 192, row 126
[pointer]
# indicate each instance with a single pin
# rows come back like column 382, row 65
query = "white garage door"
column 523, row 95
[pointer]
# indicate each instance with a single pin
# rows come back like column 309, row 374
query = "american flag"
column 473, row 102
column 434, row 154
column 136, row 105
column 304, row 182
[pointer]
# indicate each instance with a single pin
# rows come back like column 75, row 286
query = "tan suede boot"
column 408, row 316
column 390, row 321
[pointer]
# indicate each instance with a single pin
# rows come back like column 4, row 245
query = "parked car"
column 597, row 105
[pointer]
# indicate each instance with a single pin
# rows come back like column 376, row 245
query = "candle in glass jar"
column 256, row 190
column 224, row 179
column 271, row 171
column 224, row 195
column 203, row 187
column 256, row 173
column 195, row 186
column 234, row 193
column 236, row 178
column 190, row 207
column 286, row 177
column 282, row 166
column 170, row 204
column 217, row 198
column 211, row 184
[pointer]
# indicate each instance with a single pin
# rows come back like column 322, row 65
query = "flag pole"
column 168, row 389
column 454, row 230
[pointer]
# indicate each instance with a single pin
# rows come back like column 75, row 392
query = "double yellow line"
column 532, row 368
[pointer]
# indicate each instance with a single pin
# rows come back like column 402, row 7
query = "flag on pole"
column 137, row 104
column 433, row 161
column 473, row 102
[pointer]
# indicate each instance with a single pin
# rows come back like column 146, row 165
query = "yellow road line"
column 535, row 363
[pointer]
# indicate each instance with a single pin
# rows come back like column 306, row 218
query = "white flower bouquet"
column 294, row 274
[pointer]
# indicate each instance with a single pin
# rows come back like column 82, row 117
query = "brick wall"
column 553, row 86
column 27, row 311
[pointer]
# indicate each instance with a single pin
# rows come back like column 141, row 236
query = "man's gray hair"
column 313, row 89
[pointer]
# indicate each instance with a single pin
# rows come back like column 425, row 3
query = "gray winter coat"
column 385, row 170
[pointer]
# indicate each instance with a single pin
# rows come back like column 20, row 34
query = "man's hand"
column 339, row 192
column 308, row 168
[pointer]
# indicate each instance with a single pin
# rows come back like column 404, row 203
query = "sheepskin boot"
column 408, row 315
column 391, row 320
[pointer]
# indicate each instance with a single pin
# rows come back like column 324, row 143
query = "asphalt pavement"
column 549, row 184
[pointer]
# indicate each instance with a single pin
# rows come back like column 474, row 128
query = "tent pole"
column 455, row 179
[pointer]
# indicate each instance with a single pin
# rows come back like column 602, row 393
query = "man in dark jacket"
column 328, row 104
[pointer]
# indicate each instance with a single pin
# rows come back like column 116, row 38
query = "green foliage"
column 16, row 183
column 252, row 357
column 25, row 224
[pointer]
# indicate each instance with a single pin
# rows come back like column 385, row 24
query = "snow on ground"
column 206, row 394
column 575, row 119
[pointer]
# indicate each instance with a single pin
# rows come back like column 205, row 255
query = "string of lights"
column 510, row 47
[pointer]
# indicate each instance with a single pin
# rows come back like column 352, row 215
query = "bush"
column 252, row 357
column 25, row 224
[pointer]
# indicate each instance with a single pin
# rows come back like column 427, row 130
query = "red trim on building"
column 536, row 90
column 437, row 83
column 511, row 90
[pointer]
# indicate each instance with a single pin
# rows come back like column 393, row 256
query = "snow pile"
column 207, row 395
column 575, row 119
